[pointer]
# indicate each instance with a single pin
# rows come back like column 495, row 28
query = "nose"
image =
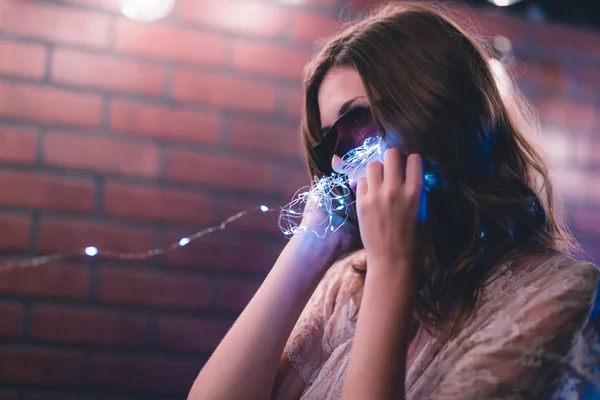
column 337, row 164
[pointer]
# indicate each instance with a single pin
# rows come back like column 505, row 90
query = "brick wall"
column 129, row 136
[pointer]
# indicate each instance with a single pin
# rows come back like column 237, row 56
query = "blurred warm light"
column 503, row 3
column 147, row 10
column 501, row 76
column 556, row 144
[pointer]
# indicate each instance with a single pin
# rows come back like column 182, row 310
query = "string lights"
column 322, row 195
column 92, row 251
column 330, row 196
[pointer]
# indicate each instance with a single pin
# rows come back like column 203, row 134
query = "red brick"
column 69, row 396
column 577, row 114
column 245, row 17
column 104, row 155
column 66, row 235
column 255, row 221
column 169, row 42
column 585, row 220
column 24, row 189
column 32, row 365
column 589, row 76
column 78, row 325
column 319, row 3
column 567, row 39
column 292, row 179
column 310, row 27
column 11, row 319
column 360, row 6
column 18, row 145
column 234, row 296
column 87, row 69
column 110, row 5
column 583, row 150
column 224, row 91
column 49, row 105
column 9, row 395
column 558, row 148
column 27, row 60
column 14, row 232
column 123, row 201
column 221, row 253
column 164, row 123
column 271, row 138
column 219, row 171
column 190, row 334
column 150, row 374
column 578, row 185
column 56, row 23
column 494, row 23
column 49, row 281
column 294, row 102
column 546, row 74
column 268, row 59
column 152, row 289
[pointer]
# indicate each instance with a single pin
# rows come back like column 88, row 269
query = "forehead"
column 338, row 86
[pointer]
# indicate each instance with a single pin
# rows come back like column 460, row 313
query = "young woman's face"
column 341, row 90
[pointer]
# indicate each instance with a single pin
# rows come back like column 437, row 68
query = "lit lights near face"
column 147, row 10
column 332, row 194
column 503, row 3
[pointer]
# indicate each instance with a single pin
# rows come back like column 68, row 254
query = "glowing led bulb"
column 147, row 10
column 183, row 242
column 264, row 208
column 91, row 251
column 503, row 3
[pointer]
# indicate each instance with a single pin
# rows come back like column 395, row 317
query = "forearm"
column 244, row 365
column 378, row 360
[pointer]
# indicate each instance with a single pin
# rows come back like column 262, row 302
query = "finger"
column 414, row 172
column 375, row 174
column 393, row 169
column 361, row 187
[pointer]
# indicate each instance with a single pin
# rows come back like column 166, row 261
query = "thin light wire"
column 94, row 252
column 321, row 194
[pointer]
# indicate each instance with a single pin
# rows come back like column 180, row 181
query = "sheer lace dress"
column 532, row 335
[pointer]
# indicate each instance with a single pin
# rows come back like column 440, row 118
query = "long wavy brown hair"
column 429, row 80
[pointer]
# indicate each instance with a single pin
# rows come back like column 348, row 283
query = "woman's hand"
column 389, row 205
column 344, row 238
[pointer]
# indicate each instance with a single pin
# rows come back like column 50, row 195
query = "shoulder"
column 342, row 274
column 541, row 270
column 339, row 283
column 558, row 281
column 564, row 273
column 559, row 286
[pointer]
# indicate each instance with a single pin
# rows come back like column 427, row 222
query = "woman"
column 461, row 288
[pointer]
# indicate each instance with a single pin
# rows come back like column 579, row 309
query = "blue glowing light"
column 264, row 208
column 91, row 251
column 184, row 241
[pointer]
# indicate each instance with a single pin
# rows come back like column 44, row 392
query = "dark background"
column 128, row 136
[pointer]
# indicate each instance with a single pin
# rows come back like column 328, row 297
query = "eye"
column 361, row 117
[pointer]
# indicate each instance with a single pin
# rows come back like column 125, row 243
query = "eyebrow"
column 341, row 112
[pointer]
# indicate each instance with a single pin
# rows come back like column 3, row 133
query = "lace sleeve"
column 304, row 348
column 524, row 346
